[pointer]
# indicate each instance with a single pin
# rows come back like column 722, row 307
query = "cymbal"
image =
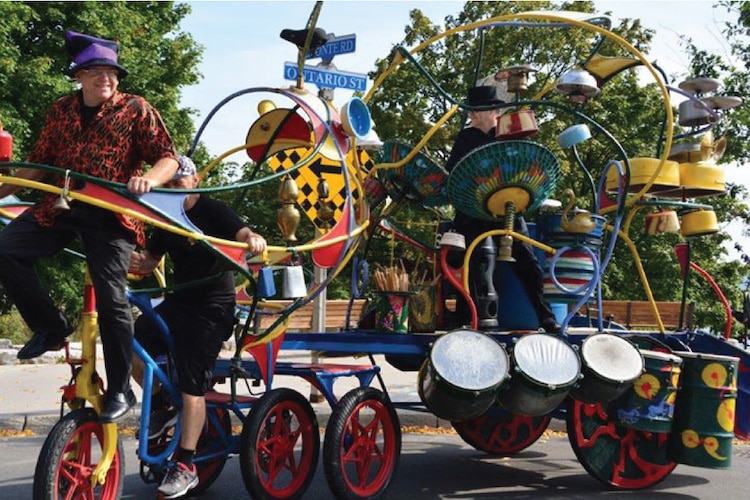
column 699, row 85
column 722, row 101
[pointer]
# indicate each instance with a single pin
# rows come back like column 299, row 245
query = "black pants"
column 197, row 331
column 526, row 267
column 107, row 246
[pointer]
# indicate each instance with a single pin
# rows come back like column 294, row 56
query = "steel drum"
column 649, row 405
column 610, row 366
column 544, row 369
column 703, row 429
column 462, row 375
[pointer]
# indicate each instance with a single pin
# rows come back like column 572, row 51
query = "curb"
column 42, row 424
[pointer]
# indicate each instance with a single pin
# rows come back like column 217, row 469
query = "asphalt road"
column 434, row 467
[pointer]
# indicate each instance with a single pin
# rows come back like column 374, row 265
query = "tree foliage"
column 160, row 57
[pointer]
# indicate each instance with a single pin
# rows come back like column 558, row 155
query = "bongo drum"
column 703, row 429
column 544, row 369
column 649, row 405
column 610, row 366
column 462, row 375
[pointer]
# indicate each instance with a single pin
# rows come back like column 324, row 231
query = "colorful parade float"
column 637, row 402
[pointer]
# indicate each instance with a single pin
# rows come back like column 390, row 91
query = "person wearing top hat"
column 101, row 132
column 199, row 314
column 481, row 131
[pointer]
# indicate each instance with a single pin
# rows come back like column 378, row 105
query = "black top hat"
column 483, row 95
column 87, row 51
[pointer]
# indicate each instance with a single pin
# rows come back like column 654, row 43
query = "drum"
column 462, row 375
column 574, row 269
column 649, row 405
column 610, row 366
column 544, row 369
column 703, row 430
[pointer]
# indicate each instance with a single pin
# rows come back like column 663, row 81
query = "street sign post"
column 327, row 78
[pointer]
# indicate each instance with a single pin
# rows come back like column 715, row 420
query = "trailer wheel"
column 362, row 445
column 279, row 446
column 617, row 456
column 500, row 432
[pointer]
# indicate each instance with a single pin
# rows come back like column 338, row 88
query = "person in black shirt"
column 480, row 132
column 199, row 317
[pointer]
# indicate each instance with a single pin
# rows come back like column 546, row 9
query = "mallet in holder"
column 505, row 250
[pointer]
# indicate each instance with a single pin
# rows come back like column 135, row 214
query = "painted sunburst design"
column 714, row 375
column 647, row 386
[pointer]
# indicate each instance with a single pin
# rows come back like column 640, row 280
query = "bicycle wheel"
column 616, row 456
column 500, row 432
column 279, row 446
column 69, row 456
column 362, row 445
column 214, row 440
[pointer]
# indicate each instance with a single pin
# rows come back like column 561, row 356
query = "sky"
column 243, row 48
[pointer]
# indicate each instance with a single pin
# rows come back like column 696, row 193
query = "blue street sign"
column 340, row 45
column 327, row 78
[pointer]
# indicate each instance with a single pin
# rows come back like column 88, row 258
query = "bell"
column 266, row 287
column 578, row 84
column 518, row 77
column 61, row 203
column 294, row 282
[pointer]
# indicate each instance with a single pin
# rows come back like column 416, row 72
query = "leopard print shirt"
column 124, row 135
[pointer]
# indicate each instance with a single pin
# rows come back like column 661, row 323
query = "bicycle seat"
column 298, row 37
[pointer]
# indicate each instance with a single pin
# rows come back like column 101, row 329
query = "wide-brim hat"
column 483, row 95
column 87, row 51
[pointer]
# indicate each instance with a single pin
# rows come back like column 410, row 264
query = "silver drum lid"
column 469, row 360
column 546, row 359
column 612, row 357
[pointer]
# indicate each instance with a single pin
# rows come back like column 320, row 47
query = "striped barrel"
column 574, row 268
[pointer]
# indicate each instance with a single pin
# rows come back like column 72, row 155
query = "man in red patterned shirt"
column 104, row 133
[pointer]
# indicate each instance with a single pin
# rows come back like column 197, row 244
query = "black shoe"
column 35, row 347
column 160, row 420
column 43, row 342
column 116, row 405
column 550, row 325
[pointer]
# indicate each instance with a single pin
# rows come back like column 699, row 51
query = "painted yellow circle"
column 497, row 200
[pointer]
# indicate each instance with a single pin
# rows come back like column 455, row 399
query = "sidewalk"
column 30, row 393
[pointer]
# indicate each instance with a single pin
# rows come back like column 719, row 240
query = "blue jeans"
column 107, row 246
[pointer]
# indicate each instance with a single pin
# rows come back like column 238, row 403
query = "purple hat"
column 87, row 51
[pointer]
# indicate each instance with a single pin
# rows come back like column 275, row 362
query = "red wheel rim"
column 78, row 460
column 502, row 433
column 368, row 448
column 284, row 449
column 615, row 455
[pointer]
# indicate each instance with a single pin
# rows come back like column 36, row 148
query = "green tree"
column 412, row 99
column 162, row 59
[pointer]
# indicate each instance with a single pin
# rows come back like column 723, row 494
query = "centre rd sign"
column 327, row 78
column 340, row 45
